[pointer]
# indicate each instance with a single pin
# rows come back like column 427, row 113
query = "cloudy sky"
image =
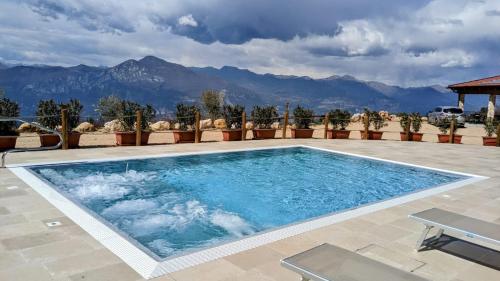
column 412, row 42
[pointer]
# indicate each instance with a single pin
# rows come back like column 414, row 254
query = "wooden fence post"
column 452, row 129
column 407, row 129
column 138, row 128
column 65, row 129
column 366, row 124
column 326, row 121
column 243, row 126
column 498, row 135
column 285, row 122
column 197, row 132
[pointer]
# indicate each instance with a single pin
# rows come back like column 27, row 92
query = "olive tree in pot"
column 490, row 126
column 74, row 110
column 416, row 125
column 263, row 119
column 444, row 127
column 127, row 116
column 405, row 123
column 185, row 127
column 339, row 119
column 233, row 117
column 378, row 122
column 302, row 118
column 8, row 132
column 49, row 116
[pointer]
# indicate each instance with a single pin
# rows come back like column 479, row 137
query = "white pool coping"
column 148, row 267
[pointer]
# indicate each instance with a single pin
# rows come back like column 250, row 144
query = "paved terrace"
column 30, row 250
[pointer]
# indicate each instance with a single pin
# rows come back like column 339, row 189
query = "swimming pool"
column 170, row 207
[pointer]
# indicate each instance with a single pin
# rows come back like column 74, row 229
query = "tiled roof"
column 484, row 82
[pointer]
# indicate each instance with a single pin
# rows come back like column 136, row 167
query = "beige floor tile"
column 56, row 250
column 80, row 263
column 249, row 259
column 121, row 272
column 26, row 273
column 31, row 240
column 211, row 271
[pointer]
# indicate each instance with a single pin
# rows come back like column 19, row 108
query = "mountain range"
column 164, row 84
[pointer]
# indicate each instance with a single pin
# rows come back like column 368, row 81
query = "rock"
column 177, row 126
column 206, row 124
column 249, row 126
column 113, row 126
column 357, row 117
column 275, row 125
column 160, row 126
column 85, row 127
column 424, row 119
column 384, row 114
column 220, row 124
column 26, row 128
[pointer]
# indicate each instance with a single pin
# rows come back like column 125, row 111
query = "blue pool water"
column 172, row 205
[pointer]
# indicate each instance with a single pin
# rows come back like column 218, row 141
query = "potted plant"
column 339, row 119
column 302, row 118
column 263, row 118
column 490, row 126
column 127, row 113
column 405, row 123
column 49, row 116
column 378, row 122
column 416, row 125
column 232, row 115
column 444, row 127
column 74, row 110
column 186, row 117
column 8, row 132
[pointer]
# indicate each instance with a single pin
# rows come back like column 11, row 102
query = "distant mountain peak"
column 152, row 60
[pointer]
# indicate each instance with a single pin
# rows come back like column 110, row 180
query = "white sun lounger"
column 449, row 221
column 330, row 263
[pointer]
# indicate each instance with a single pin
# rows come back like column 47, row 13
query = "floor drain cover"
column 53, row 223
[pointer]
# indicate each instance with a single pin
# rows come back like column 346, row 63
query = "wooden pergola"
column 485, row 86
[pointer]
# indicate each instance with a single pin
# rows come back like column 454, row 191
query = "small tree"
column 416, row 122
column 74, row 110
column 377, row 121
column 339, row 119
column 212, row 102
column 232, row 115
column 49, row 114
column 263, row 117
column 186, row 116
column 109, row 107
column 444, row 124
column 8, row 108
column 303, row 117
column 490, row 126
column 404, row 120
column 128, row 112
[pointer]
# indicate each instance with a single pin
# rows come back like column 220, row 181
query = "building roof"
column 479, row 86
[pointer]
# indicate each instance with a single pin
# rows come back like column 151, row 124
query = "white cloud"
column 187, row 20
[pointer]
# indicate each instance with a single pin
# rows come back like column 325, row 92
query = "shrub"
column 416, row 120
column 339, row 119
column 49, row 114
column 212, row 102
column 127, row 115
column 376, row 120
column 445, row 124
column 186, row 116
column 74, row 110
column 302, row 117
column 8, row 108
column 404, row 120
column 232, row 115
column 490, row 126
column 263, row 117
column 109, row 107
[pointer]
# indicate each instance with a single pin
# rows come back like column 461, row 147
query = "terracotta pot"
column 375, row 135
column 7, row 142
column 446, row 138
column 302, row 133
column 416, row 136
column 231, row 135
column 185, row 136
column 47, row 140
column 128, row 138
column 74, row 139
column 403, row 136
column 489, row 141
column 260, row 134
column 338, row 134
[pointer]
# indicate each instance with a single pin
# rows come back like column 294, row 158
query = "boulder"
column 160, row 126
column 85, row 127
column 425, row 119
column 220, row 124
column 113, row 126
column 177, row 126
column 26, row 128
column 384, row 114
column 206, row 124
column 249, row 126
column 357, row 117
